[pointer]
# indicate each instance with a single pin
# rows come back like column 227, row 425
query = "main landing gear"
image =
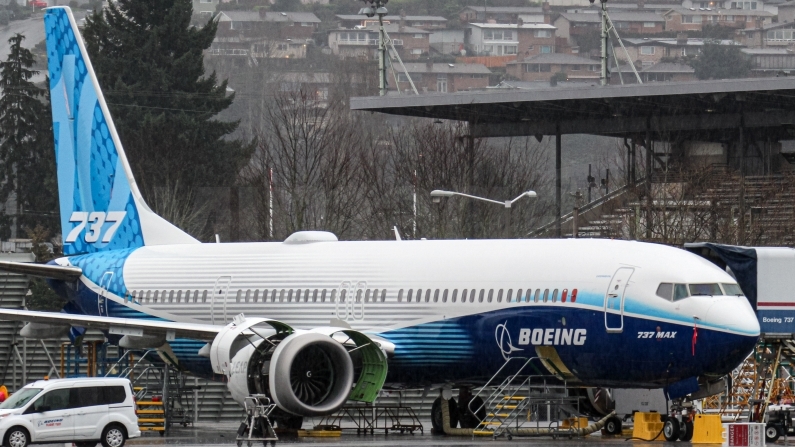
column 678, row 426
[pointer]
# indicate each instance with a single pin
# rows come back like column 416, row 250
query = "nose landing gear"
column 678, row 426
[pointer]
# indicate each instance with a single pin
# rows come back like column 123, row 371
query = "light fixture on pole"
column 373, row 8
column 438, row 194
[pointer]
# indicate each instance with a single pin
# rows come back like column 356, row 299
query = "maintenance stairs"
column 520, row 398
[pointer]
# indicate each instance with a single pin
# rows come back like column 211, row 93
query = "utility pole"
column 373, row 8
column 605, row 76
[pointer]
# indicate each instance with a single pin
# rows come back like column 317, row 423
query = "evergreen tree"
column 721, row 62
column 150, row 63
column 27, row 157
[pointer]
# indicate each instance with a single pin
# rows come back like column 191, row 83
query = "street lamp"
column 437, row 194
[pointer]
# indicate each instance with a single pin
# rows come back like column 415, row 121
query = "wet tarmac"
column 224, row 435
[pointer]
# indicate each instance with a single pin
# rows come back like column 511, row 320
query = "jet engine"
column 305, row 373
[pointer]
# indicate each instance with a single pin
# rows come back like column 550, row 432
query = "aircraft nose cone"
column 734, row 314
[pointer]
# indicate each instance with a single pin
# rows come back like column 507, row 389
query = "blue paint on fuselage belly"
column 467, row 348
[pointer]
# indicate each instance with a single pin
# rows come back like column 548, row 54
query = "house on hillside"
column 205, row 8
column 576, row 24
column 659, row 72
column 504, row 14
column 410, row 43
column 771, row 61
column 649, row 51
column 503, row 39
column 770, row 6
column 443, row 78
column 263, row 34
column 543, row 66
column 427, row 23
column 693, row 19
column 774, row 35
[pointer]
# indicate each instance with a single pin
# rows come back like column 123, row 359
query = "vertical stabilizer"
column 101, row 207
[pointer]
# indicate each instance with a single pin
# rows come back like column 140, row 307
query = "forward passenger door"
column 614, row 300
column 52, row 417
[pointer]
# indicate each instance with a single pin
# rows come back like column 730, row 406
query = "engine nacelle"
column 306, row 373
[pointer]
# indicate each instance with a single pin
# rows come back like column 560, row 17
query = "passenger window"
column 427, row 295
column 455, row 294
column 546, row 294
column 323, row 296
column 482, row 294
column 499, row 296
column 367, row 296
column 419, row 295
column 359, row 296
column 52, row 401
column 290, row 295
column 343, row 295
column 400, row 295
column 435, row 296
column 333, row 295
column 464, row 296
column 573, row 295
column 154, row 299
column 555, row 296
column 472, row 295
column 383, row 295
column 537, row 295
column 444, row 296
column 85, row 396
column 563, row 295
column 314, row 296
column 680, row 291
column 204, row 296
column 509, row 296
column 408, row 297
column 665, row 291
column 256, row 295
column 113, row 395
column 239, row 294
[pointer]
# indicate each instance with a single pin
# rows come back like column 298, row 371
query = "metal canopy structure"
column 705, row 110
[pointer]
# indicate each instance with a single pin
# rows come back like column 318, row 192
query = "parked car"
column 38, row 3
column 84, row 411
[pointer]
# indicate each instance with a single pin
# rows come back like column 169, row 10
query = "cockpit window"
column 732, row 289
column 705, row 290
column 680, row 291
column 665, row 290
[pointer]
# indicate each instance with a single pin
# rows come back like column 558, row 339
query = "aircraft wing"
column 121, row 326
column 64, row 273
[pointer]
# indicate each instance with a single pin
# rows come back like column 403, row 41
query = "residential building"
column 448, row 41
column 771, row 61
column 444, row 78
column 649, row 51
column 311, row 83
column 503, row 39
column 427, row 23
column 503, row 14
column 770, row 6
column 692, row 19
column 774, row 35
column 786, row 12
column 254, row 35
column 205, row 8
column 570, row 25
column 659, row 72
column 543, row 66
column 410, row 43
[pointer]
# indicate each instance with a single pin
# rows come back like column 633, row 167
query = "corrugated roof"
column 668, row 67
column 622, row 16
column 513, row 25
column 556, row 58
column 720, row 12
column 391, row 18
column 506, row 9
column 770, row 51
column 390, row 29
column 304, row 17
column 421, row 67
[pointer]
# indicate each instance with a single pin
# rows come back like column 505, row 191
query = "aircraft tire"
column 772, row 433
column 436, row 415
column 613, row 426
column 686, row 431
column 671, row 429
column 470, row 420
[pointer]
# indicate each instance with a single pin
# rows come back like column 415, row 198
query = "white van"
column 84, row 411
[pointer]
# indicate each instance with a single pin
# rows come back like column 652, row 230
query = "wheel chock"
column 648, row 426
column 707, row 429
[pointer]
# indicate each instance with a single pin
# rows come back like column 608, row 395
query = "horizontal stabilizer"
column 58, row 272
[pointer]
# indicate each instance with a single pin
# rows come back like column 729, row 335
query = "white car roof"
column 78, row 380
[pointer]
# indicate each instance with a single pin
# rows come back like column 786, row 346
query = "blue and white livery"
column 268, row 316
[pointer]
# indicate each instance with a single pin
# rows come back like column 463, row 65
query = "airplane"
column 313, row 322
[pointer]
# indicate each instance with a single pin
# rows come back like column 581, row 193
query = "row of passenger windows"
column 482, row 295
column 675, row 292
column 366, row 295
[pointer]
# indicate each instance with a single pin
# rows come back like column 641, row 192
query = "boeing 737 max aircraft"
column 296, row 319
